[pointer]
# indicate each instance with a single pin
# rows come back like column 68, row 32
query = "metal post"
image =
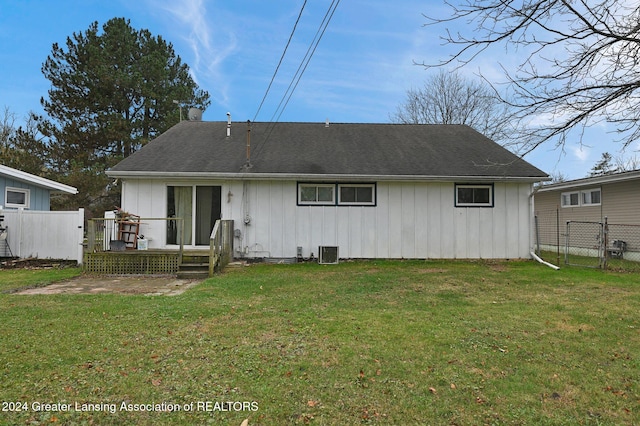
column 558, row 234
column 535, row 218
column 605, row 242
column 566, row 247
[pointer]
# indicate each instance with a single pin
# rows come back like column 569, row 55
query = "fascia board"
column 37, row 180
column 316, row 177
column 586, row 182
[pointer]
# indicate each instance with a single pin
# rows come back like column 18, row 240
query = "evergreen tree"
column 111, row 92
column 604, row 166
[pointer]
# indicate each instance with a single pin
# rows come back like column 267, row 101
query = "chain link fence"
column 622, row 247
column 588, row 244
column 549, row 237
column 584, row 244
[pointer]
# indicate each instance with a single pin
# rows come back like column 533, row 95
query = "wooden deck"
column 133, row 262
column 101, row 258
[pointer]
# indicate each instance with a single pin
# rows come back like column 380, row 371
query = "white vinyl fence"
column 45, row 234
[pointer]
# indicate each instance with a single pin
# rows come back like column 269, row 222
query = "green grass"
column 378, row 342
column 14, row 279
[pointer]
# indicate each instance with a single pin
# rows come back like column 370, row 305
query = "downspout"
column 532, row 215
column 533, row 255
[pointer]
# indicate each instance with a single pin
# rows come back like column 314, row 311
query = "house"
column 20, row 189
column 615, row 196
column 372, row 190
column 581, row 202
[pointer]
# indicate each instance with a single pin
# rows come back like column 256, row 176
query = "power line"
column 281, row 58
column 310, row 52
column 299, row 72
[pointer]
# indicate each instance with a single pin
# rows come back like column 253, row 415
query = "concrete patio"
column 140, row 285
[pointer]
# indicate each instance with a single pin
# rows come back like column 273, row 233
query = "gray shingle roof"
column 313, row 150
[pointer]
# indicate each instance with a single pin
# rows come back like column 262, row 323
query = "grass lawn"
column 377, row 342
column 14, row 279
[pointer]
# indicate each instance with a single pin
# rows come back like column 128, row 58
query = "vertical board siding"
column 499, row 233
column 410, row 220
column 421, row 219
column 45, row 234
column 382, row 220
column 394, row 206
column 408, row 216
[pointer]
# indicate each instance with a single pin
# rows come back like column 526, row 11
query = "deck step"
column 193, row 275
column 194, row 266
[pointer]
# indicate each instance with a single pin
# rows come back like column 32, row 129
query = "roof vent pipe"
column 228, row 124
column 326, row 123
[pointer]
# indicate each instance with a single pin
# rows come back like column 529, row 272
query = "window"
column 16, row 197
column 360, row 195
column 336, row 194
column 474, row 195
column 588, row 197
column 591, row 197
column 316, row 194
column 570, row 199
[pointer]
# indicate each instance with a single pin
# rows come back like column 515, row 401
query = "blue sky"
column 359, row 73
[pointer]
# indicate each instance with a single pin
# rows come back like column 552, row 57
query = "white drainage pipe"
column 535, row 256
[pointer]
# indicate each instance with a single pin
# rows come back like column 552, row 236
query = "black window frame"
column 337, row 198
column 489, row 186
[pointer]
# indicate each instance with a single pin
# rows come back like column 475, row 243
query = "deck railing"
column 220, row 245
column 105, row 252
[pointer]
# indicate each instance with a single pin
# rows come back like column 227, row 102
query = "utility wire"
column 299, row 72
column 310, row 52
column 280, row 62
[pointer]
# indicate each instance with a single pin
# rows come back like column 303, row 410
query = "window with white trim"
column 16, row 197
column 591, row 197
column 320, row 194
column 584, row 198
column 570, row 199
column 356, row 194
column 474, row 195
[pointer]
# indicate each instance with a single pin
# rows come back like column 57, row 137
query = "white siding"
column 410, row 220
column 45, row 234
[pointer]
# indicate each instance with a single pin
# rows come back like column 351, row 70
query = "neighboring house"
column 20, row 189
column 373, row 190
column 615, row 196
column 31, row 229
column 585, row 203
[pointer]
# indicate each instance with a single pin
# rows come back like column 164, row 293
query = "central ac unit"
column 328, row 255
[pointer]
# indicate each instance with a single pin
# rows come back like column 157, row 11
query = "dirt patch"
column 32, row 263
column 143, row 285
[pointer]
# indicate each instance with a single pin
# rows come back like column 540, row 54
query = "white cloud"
column 210, row 48
column 581, row 152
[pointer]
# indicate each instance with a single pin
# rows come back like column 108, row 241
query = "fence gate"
column 584, row 244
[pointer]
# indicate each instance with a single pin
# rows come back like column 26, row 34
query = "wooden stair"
column 195, row 265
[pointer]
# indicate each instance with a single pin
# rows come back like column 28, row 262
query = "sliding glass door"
column 197, row 223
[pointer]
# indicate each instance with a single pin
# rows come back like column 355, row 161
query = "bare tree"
column 579, row 66
column 23, row 147
column 557, row 177
column 7, row 129
column 624, row 164
column 449, row 98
